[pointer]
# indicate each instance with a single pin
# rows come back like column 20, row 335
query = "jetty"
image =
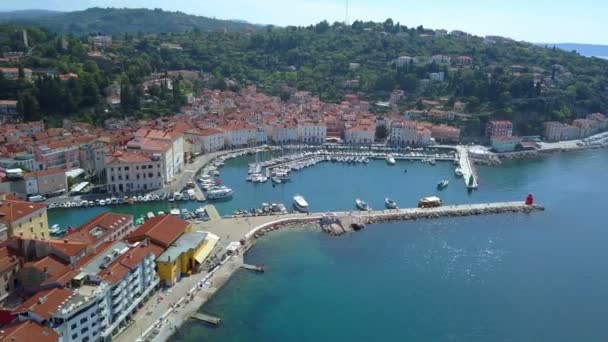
column 203, row 317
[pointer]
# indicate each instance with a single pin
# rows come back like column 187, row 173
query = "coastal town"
column 122, row 277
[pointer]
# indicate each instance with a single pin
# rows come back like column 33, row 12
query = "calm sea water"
column 537, row 277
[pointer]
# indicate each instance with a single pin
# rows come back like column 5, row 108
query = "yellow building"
column 24, row 219
column 184, row 256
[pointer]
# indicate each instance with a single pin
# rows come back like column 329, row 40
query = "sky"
column 539, row 21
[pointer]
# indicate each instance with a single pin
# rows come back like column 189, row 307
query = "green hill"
column 122, row 20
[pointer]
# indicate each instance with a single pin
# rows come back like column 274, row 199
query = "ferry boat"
column 220, row 193
column 361, row 205
column 390, row 160
column 390, row 204
column 300, row 204
column 443, row 184
column 458, row 172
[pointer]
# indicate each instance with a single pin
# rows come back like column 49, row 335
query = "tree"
column 381, row 132
column 21, row 72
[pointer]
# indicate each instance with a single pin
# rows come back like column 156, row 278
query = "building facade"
column 24, row 219
column 134, row 172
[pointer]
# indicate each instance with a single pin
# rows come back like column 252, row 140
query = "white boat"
column 458, row 172
column 276, row 180
column 175, row 212
column 150, row 215
column 219, row 193
column 102, row 202
column 390, row 204
column 300, row 204
column 390, row 160
column 432, row 161
column 443, row 184
column 361, row 205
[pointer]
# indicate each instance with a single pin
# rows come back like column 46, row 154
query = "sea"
column 509, row 277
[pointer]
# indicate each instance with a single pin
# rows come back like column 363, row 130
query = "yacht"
column 361, row 205
column 443, row 184
column 390, row 204
column 220, row 193
column 458, row 172
column 300, row 204
column 390, row 160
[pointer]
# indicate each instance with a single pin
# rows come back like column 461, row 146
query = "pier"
column 206, row 318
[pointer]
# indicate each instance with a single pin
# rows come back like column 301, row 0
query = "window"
column 73, row 326
column 84, row 320
column 84, row 330
column 75, row 336
column 126, row 168
column 85, row 339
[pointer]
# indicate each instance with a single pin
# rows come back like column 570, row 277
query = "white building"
column 360, row 135
column 170, row 152
column 206, row 140
column 284, row 134
column 261, row 136
column 311, row 132
column 437, row 76
column 105, row 293
column 134, row 172
column 403, row 133
column 239, row 135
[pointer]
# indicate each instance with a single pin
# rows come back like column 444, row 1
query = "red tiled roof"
column 56, row 271
column 127, row 157
column 163, row 230
column 120, row 267
column 46, row 302
column 107, row 221
column 43, row 173
column 12, row 210
column 28, row 331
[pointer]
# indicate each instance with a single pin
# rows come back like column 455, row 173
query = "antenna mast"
column 346, row 14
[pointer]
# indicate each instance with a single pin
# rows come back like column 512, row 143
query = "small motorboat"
column 458, row 172
column 390, row 204
column 443, row 184
column 361, row 205
column 276, row 180
column 390, row 160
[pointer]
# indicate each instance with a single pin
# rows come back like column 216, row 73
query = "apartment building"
column 24, row 219
column 134, row 172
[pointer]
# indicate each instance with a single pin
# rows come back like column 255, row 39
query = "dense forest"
column 525, row 83
column 119, row 20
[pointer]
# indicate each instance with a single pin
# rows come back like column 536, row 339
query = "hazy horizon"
column 541, row 21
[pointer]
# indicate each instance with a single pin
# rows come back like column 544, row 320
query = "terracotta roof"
column 69, row 248
column 28, row 331
column 161, row 229
column 46, row 302
column 106, row 221
column 11, row 210
column 56, row 271
column 127, row 157
column 120, row 267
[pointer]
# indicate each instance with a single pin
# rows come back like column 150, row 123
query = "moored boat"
column 390, row 204
column 300, row 204
column 361, row 205
column 390, row 160
column 458, row 172
column 443, row 184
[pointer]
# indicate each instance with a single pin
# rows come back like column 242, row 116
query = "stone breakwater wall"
column 450, row 212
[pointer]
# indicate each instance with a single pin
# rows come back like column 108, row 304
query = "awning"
column 210, row 243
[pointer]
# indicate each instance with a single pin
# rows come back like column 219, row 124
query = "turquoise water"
column 536, row 277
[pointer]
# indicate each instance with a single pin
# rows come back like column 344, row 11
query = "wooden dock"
column 203, row 317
